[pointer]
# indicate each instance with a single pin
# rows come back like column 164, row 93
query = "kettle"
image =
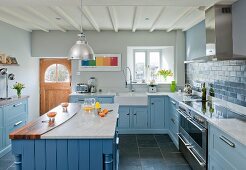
column 188, row 89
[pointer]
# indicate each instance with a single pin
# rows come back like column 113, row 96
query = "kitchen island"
column 77, row 140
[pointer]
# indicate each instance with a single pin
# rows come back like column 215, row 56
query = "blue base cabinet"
column 101, row 99
column 157, row 112
column 173, row 121
column 224, row 152
column 133, row 117
column 65, row 154
column 12, row 117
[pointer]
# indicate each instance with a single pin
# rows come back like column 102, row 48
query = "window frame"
column 56, row 74
column 147, row 61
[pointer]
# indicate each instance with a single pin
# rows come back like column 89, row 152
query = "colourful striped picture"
column 103, row 62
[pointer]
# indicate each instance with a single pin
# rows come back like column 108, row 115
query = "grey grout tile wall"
column 227, row 77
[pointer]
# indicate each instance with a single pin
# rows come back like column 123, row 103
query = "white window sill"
column 162, row 83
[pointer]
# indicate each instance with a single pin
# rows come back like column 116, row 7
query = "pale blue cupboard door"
column 157, row 112
column 124, row 117
column 140, row 117
column 103, row 100
column 1, row 128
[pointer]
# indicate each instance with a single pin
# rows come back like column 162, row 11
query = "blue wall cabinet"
column 124, row 117
column 140, row 118
column 224, row 151
column 157, row 112
column 12, row 117
column 101, row 99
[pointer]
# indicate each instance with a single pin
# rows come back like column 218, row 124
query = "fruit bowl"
column 51, row 116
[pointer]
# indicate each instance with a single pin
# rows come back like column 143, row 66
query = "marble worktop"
column 87, row 125
column 12, row 100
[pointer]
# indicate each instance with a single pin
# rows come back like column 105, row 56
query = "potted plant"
column 165, row 73
column 18, row 87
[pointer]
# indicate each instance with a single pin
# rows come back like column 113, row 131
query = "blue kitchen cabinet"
column 157, row 112
column 124, row 117
column 12, row 117
column 140, row 118
column 224, row 151
column 133, row 117
column 173, row 120
column 103, row 100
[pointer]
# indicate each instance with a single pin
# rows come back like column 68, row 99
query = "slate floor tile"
column 174, row 159
column 4, row 164
column 168, row 147
column 150, row 153
column 146, row 141
column 163, row 139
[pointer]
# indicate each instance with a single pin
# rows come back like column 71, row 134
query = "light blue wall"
column 17, row 43
column 239, row 27
column 196, row 41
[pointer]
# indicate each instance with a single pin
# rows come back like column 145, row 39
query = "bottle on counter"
column 204, row 92
column 211, row 90
column 173, row 86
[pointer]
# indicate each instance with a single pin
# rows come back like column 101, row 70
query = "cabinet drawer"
column 14, row 110
column 13, row 125
column 226, row 147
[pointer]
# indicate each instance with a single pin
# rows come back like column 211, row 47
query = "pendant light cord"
column 81, row 29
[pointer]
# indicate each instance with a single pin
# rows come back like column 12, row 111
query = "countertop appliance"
column 82, row 88
column 152, row 88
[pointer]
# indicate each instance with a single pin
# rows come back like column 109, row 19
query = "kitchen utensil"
column 188, row 89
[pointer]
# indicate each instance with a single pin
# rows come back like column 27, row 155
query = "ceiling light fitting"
column 81, row 50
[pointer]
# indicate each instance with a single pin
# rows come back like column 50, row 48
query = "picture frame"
column 103, row 62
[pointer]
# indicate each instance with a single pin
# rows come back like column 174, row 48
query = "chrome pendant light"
column 81, row 49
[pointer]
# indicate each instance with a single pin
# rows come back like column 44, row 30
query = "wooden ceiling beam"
column 89, row 17
column 136, row 16
column 184, row 14
column 157, row 19
column 14, row 24
column 68, row 18
column 29, row 22
column 113, row 18
column 44, row 17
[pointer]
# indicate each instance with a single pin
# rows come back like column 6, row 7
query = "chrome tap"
column 130, row 84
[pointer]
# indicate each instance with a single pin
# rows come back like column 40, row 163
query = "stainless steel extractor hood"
column 219, row 42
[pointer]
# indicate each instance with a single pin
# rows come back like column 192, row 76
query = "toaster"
column 82, row 88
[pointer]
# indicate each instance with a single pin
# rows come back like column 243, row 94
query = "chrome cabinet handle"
column 17, row 123
column 117, row 141
column 173, row 120
column 135, row 114
column 173, row 102
column 81, row 100
column 227, row 141
column 128, row 114
column 196, row 157
column 183, row 140
column 16, row 105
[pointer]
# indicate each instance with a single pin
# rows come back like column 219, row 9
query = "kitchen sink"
column 131, row 99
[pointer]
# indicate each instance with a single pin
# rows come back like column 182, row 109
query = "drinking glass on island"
column 89, row 104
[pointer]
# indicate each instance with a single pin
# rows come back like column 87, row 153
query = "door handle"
column 128, row 114
column 173, row 102
column 197, row 126
column 18, row 123
column 183, row 140
column 16, row 105
column 227, row 141
column 196, row 157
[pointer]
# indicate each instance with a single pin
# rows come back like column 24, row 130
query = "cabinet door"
column 157, row 111
column 140, row 117
column 1, row 138
column 124, row 117
column 105, row 100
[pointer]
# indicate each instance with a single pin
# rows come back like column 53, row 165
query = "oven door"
column 193, row 138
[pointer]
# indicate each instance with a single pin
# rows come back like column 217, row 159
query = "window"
column 56, row 73
column 147, row 61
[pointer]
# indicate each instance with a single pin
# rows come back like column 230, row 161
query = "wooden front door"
column 55, row 83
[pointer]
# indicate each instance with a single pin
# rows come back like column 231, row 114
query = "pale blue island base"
column 84, row 142
column 71, row 154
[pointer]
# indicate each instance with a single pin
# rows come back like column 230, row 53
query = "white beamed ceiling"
column 102, row 15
